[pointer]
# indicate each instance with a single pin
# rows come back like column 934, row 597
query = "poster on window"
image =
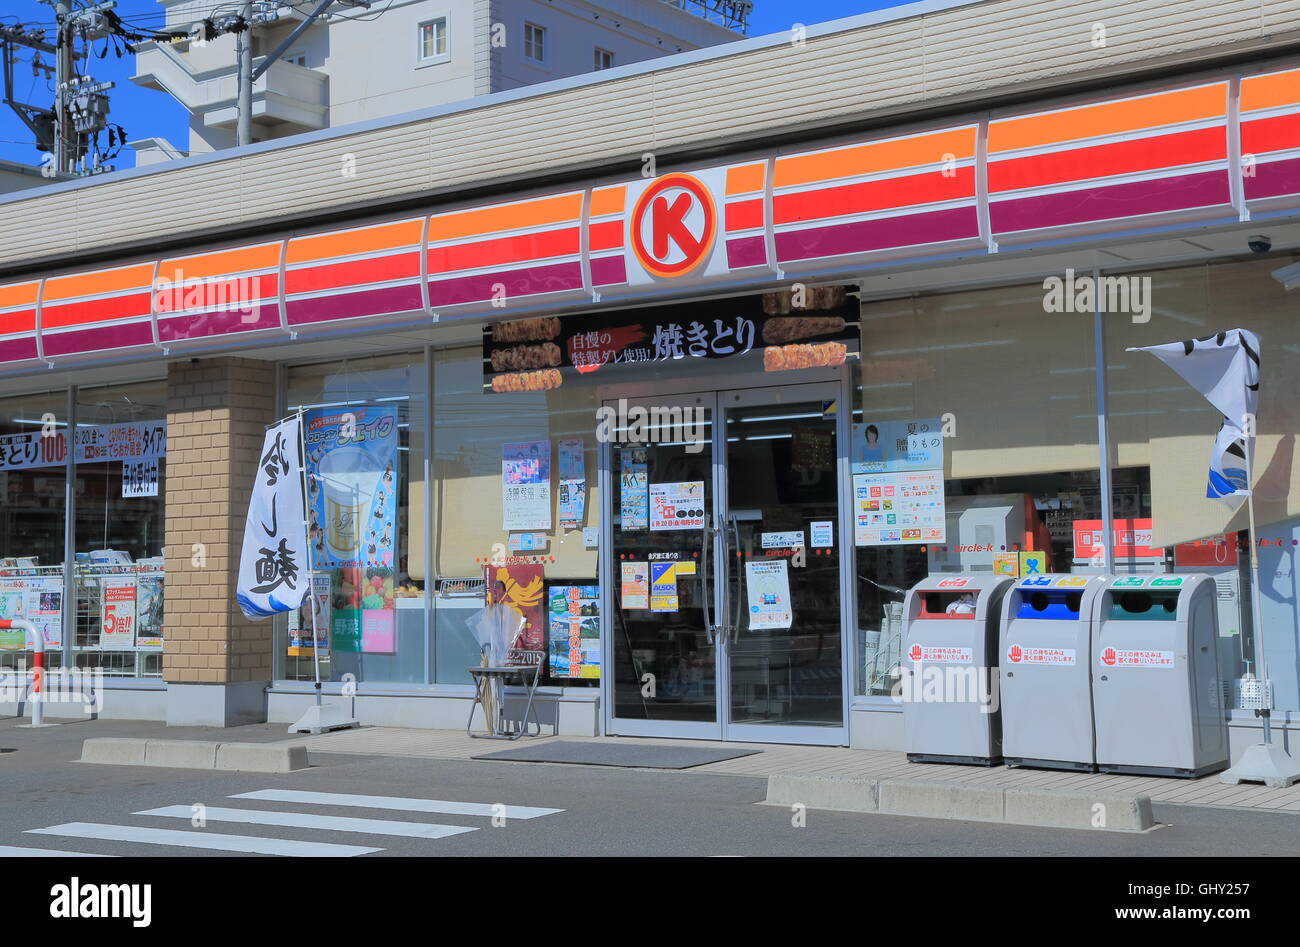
column 573, row 482
column 574, row 613
column 677, row 505
column 518, row 586
column 352, row 486
column 526, row 485
column 300, row 621
column 363, row 610
column 95, row 443
column 117, row 615
column 890, row 446
column 633, row 490
column 149, row 611
column 39, row 599
column 139, row 478
column 767, row 590
column 898, row 508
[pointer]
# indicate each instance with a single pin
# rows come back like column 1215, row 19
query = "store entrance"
column 723, row 587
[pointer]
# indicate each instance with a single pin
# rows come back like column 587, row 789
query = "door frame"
column 816, row 385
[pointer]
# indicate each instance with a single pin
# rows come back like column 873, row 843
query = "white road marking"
column 13, row 851
column 305, row 820
column 398, row 803
column 209, row 840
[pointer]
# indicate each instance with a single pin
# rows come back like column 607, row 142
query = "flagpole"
column 311, row 572
column 1261, row 669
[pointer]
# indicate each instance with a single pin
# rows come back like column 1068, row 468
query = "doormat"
column 635, row 755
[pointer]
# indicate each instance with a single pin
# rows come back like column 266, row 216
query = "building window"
column 296, row 59
column 534, row 42
column 433, row 41
column 604, row 59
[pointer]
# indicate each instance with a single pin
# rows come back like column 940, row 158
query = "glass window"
column 604, row 59
column 535, row 42
column 364, row 427
column 120, row 475
column 433, row 39
column 1009, row 388
column 33, row 478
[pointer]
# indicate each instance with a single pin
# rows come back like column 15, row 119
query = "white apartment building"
column 357, row 63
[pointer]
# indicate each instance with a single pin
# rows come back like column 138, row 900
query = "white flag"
column 1225, row 369
column 273, row 566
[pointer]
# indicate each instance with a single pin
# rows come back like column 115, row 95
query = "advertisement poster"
column 823, row 534
column 352, row 486
column 300, row 621
column 898, row 508
column 526, row 485
column 149, row 610
column 634, row 584
column 117, row 613
column 893, row 446
column 39, row 599
column 96, row 443
column 677, row 505
column 140, row 478
column 519, row 587
column 767, row 588
column 573, row 482
column 633, row 489
column 574, row 614
column 363, row 609
column 663, row 587
column 1132, row 539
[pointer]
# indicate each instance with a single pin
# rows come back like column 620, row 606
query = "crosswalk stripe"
column 304, row 820
column 441, row 806
column 15, row 851
column 210, row 840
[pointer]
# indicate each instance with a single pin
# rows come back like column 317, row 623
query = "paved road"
column 358, row 806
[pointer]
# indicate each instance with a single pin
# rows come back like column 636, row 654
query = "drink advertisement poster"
column 574, row 614
column 893, row 446
column 898, row 508
column 519, row 587
column 633, row 489
column 352, row 486
column 677, row 505
column 149, row 611
column 300, row 621
column 526, row 485
column 117, row 612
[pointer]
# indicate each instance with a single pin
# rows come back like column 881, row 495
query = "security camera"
column 1259, row 243
column 1288, row 276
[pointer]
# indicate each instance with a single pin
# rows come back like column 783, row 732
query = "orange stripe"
column 221, row 263
column 18, row 294
column 102, row 281
column 564, row 208
column 874, row 156
column 745, row 179
column 608, row 200
column 403, row 233
column 1266, row 92
column 1109, row 118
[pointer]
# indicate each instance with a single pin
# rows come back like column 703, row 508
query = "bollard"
column 38, row 664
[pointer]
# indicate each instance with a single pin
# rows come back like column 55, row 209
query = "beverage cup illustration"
column 349, row 477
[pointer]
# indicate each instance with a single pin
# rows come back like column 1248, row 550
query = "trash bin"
column 1046, row 674
column 1156, row 693
column 949, row 668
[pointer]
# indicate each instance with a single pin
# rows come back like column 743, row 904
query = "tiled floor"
column 831, row 761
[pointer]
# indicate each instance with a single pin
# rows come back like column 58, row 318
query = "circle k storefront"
column 705, row 426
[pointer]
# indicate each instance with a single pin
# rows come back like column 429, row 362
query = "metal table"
column 495, row 677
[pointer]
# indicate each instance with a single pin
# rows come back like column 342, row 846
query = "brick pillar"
column 216, row 662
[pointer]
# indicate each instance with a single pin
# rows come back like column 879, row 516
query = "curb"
column 934, row 799
column 196, row 754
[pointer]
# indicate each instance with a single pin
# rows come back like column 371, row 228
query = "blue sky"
column 145, row 114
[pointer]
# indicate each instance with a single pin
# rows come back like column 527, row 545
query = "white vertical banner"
column 273, row 565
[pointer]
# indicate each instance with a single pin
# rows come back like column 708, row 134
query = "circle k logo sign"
column 673, row 225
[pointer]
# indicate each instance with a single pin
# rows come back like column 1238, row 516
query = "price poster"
column 898, row 508
column 526, row 485
column 117, row 613
column 574, row 613
column 767, row 588
column 677, row 505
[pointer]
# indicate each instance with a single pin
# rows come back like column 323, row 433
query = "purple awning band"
column 608, row 270
column 101, row 339
column 198, row 325
column 746, row 251
column 555, row 278
column 17, row 350
column 1114, row 202
column 371, row 302
column 881, row 233
column 1273, row 178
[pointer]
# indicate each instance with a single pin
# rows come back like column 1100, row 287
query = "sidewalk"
column 828, row 761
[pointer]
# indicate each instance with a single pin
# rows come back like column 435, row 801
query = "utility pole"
column 63, row 71
column 244, row 51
